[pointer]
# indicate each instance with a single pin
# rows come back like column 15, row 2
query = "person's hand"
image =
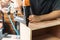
column 33, row 18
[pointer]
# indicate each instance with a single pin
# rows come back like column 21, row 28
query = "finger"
column 31, row 21
column 29, row 18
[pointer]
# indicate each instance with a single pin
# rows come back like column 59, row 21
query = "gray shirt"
column 41, row 7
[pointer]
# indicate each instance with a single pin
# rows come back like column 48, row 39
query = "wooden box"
column 40, row 31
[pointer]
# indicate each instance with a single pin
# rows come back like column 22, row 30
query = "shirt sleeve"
column 26, row 2
column 56, row 5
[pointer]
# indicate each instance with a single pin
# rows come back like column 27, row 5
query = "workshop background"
column 7, row 26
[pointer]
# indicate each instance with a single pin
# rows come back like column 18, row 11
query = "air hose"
column 13, row 25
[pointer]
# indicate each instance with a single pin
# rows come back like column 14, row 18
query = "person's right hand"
column 34, row 18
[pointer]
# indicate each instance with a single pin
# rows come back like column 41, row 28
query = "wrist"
column 39, row 18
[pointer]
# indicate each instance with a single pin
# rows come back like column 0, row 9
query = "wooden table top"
column 40, row 25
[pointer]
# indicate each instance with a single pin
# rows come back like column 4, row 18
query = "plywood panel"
column 25, row 32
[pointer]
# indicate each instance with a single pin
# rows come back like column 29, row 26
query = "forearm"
column 52, row 15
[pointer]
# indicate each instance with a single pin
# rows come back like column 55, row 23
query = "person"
column 41, row 10
column 6, row 4
column 9, row 5
column 6, row 7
